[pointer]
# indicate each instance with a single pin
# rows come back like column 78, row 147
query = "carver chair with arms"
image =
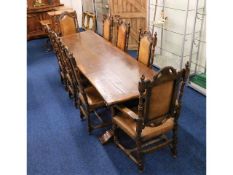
column 157, row 113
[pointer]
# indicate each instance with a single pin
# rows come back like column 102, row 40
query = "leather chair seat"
column 128, row 125
column 93, row 97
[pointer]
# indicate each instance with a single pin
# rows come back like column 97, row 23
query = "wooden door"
column 133, row 11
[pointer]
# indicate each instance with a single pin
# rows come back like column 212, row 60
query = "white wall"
column 76, row 5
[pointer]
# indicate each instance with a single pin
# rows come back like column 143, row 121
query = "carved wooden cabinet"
column 37, row 11
column 34, row 28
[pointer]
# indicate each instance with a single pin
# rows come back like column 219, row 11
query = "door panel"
column 133, row 11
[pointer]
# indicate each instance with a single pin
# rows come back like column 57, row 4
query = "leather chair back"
column 68, row 23
column 123, row 30
column 89, row 21
column 159, row 97
column 85, row 20
column 107, row 27
column 146, row 48
column 78, row 84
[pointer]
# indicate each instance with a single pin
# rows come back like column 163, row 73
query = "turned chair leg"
column 115, row 133
column 81, row 114
column 61, row 79
column 139, row 155
column 70, row 95
column 89, row 123
column 76, row 103
column 48, row 46
column 65, row 85
column 69, row 86
column 174, row 142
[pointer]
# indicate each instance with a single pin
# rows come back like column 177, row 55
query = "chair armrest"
column 177, row 110
column 127, row 111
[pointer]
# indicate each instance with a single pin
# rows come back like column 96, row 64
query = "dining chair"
column 107, row 27
column 156, row 114
column 89, row 100
column 54, row 43
column 52, row 37
column 49, row 30
column 69, row 74
column 92, row 21
column 89, row 21
column 73, row 88
column 65, row 70
column 46, row 24
column 146, row 47
column 68, row 23
column 115, row 21
column 85, row 21
column 123, row 30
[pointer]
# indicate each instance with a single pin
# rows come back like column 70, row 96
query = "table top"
column 114, row 73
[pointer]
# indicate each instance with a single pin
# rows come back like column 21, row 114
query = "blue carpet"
column 133, row 53
column 58, row 142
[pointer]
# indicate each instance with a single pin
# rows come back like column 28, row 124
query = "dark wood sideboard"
column 37, row 12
